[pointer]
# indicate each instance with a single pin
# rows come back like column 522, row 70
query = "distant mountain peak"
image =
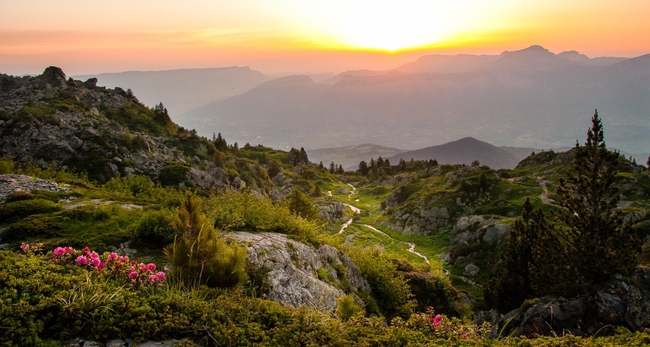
column 534, row 50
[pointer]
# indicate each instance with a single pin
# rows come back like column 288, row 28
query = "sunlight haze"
column 292, row 36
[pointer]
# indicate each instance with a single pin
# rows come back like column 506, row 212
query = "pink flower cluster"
column 436, row 321
column 138, row 273
column 63, row 253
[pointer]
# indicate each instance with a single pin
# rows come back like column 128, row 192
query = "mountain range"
column 525, row 98
column 184, row 89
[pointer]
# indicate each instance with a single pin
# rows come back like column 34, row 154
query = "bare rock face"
column 332, row 213
column 15, row 183
column 298, row 274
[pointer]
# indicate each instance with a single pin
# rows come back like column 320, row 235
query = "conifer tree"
column 363, row 168
column 512, row 285
column 198, row 255
column 602, row 245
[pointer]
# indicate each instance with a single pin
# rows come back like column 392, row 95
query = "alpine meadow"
column 306, row 173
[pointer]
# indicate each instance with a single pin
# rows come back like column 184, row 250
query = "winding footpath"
column 356, row 210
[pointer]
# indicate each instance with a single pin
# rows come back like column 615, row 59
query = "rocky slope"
column 102, row 132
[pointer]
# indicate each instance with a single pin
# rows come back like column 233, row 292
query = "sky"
column 303, row 36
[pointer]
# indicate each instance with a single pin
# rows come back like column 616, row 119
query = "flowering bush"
column 31, row 248
column 110, row 264
column 439, row 326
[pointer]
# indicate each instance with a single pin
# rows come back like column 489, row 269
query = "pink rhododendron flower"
column 161, row 276
column 133, row 275
column 142, row 267
column 151, row 267
column 86, row 251
column 82, row 260
column 94, row 255
column 124, row 259
column 437, row 320
column 24, row 247
column 111, row 257
column 464, row 336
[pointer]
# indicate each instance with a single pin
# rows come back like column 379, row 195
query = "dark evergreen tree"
column 601, row 244
column 340, row 170
column 332, row 167
column 321, row 166
column 511, row 284
column 219, row 142
column 648, row 163
column 363, row 168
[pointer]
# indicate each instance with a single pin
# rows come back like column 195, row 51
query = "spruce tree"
column 511, row 285
column 601, row 244
column 363, row 168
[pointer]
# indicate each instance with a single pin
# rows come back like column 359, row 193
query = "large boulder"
column 295, row 274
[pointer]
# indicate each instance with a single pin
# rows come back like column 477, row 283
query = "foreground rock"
column 293, row 273
column 620, row 303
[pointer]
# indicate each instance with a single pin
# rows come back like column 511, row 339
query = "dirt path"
column 544, row 195
column 356, row 210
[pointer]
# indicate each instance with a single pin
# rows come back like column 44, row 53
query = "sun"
column 393, row 25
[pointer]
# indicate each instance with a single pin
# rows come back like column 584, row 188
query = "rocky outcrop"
column 51, row 121
column 332, row 213
column 294, row 273
column 475, row 240
column 16, row 183
column 623, row 302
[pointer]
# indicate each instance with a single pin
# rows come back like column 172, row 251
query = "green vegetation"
column 591, row 246
column 198, row 256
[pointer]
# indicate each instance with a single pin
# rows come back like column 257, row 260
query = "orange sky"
column 303, row 36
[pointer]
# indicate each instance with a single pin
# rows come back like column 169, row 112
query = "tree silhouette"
column 602, row 245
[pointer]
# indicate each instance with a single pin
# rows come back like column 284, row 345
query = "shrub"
column 154, row 229
column 391, row 290
column 198, row 255
column 347, row 308
column 135, row 186
column 16, row 210
column 18, row 196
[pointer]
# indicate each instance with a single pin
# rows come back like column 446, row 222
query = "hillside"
column 463, row 151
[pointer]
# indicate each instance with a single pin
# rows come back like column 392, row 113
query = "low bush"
column 154, row 229
column 16, row 210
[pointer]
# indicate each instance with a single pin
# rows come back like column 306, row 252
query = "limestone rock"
column 293, row 271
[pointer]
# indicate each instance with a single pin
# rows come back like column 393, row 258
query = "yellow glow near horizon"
column 297, row 35
column 391, row 26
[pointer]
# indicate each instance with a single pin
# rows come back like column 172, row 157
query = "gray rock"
column 292, row 270
column 472, row 269
column 238, row 183
column 495, row 233
column 611, row 308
